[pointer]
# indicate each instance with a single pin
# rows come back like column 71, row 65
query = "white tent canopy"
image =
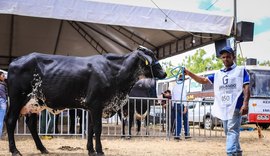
column 117, row 14
column 84, row 27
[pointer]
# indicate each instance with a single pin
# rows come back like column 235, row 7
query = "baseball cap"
column 226, row 49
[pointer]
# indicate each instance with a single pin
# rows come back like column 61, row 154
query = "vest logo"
column 226, row 85
column 225, row 79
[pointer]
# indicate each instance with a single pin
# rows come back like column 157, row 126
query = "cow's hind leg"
column 90, row 146
column 97, row 119
column 31, row 121
column 11, row 119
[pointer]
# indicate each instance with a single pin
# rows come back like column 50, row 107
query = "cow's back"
column 20, row 71
column 61, row 80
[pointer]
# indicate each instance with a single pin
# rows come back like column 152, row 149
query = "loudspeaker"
column 219, row 44
column 244, row 31
column 251, row 61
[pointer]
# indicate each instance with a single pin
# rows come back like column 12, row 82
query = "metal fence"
column 156, row 123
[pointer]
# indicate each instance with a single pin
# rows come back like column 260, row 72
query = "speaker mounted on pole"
column 244, row 31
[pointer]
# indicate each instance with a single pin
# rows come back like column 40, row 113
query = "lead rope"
column 181, row 71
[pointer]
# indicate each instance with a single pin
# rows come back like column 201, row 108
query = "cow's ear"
column 146, row 58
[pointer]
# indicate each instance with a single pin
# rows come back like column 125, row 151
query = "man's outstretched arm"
column 197, row 78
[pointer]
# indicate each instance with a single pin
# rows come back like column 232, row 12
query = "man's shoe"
column 188, row 137
column 177, row 138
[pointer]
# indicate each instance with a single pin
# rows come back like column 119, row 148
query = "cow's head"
column 151, row 66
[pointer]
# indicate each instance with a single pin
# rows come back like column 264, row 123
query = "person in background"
column 231, row 88
column 180, row 109
column 73, row 119
column 47, row 124
column 3, row 101
column 166, row 95
column 165, row 104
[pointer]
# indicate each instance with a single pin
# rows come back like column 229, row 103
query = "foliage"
column 198, row 62
column 264, row 63
column 168, row 66
column 240, row 60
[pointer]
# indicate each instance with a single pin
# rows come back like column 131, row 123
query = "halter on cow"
column 99, row 84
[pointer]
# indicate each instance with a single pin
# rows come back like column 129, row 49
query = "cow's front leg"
column 97, row 118
column 130, row 122
column 31, row 121
column 123, row 123
column 90, row 147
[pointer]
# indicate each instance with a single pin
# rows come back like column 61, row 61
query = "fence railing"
column 157, row 122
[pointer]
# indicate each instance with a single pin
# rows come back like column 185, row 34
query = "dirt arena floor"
column 137, row 146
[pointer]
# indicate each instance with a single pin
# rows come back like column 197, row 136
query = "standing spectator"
column 73, row 118
column 3, row 101
column 47, row 124
column 166, row 94
column 231, row 88
column 180, row 110
column 165, row 104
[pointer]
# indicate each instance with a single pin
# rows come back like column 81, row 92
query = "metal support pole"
column 235, row 29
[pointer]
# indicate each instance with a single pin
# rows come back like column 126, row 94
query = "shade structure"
column 84, row 28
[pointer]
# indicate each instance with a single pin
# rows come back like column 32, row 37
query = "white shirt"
column 177, row 92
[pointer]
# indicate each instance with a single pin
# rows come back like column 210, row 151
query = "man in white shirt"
column 180, row 109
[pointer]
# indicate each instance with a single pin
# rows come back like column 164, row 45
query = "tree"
column 168, row 66
column 264, row 63
column 198, row 63
column 240, row 60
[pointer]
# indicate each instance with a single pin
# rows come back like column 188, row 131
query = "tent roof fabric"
column 83, row 27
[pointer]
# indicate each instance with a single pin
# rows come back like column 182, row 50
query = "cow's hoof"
column 44, row 151
column 100, row 154
column 92, row 153
column 16, row 153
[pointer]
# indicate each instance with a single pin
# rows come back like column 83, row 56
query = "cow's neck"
column 125, row 80
column 130, row 68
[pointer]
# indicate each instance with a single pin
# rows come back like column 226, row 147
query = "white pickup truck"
column 199, row 112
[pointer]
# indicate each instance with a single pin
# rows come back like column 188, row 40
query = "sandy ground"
column 114, row 146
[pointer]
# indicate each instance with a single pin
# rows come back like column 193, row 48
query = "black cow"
column 99, row 84
column 144, row 88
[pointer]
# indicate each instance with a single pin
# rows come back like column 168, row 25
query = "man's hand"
column 185, row 110
column 244, row 109
column 186, row 72
column 246, row 91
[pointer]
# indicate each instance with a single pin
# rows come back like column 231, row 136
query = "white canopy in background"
column 117, row 14
column 84, row 27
